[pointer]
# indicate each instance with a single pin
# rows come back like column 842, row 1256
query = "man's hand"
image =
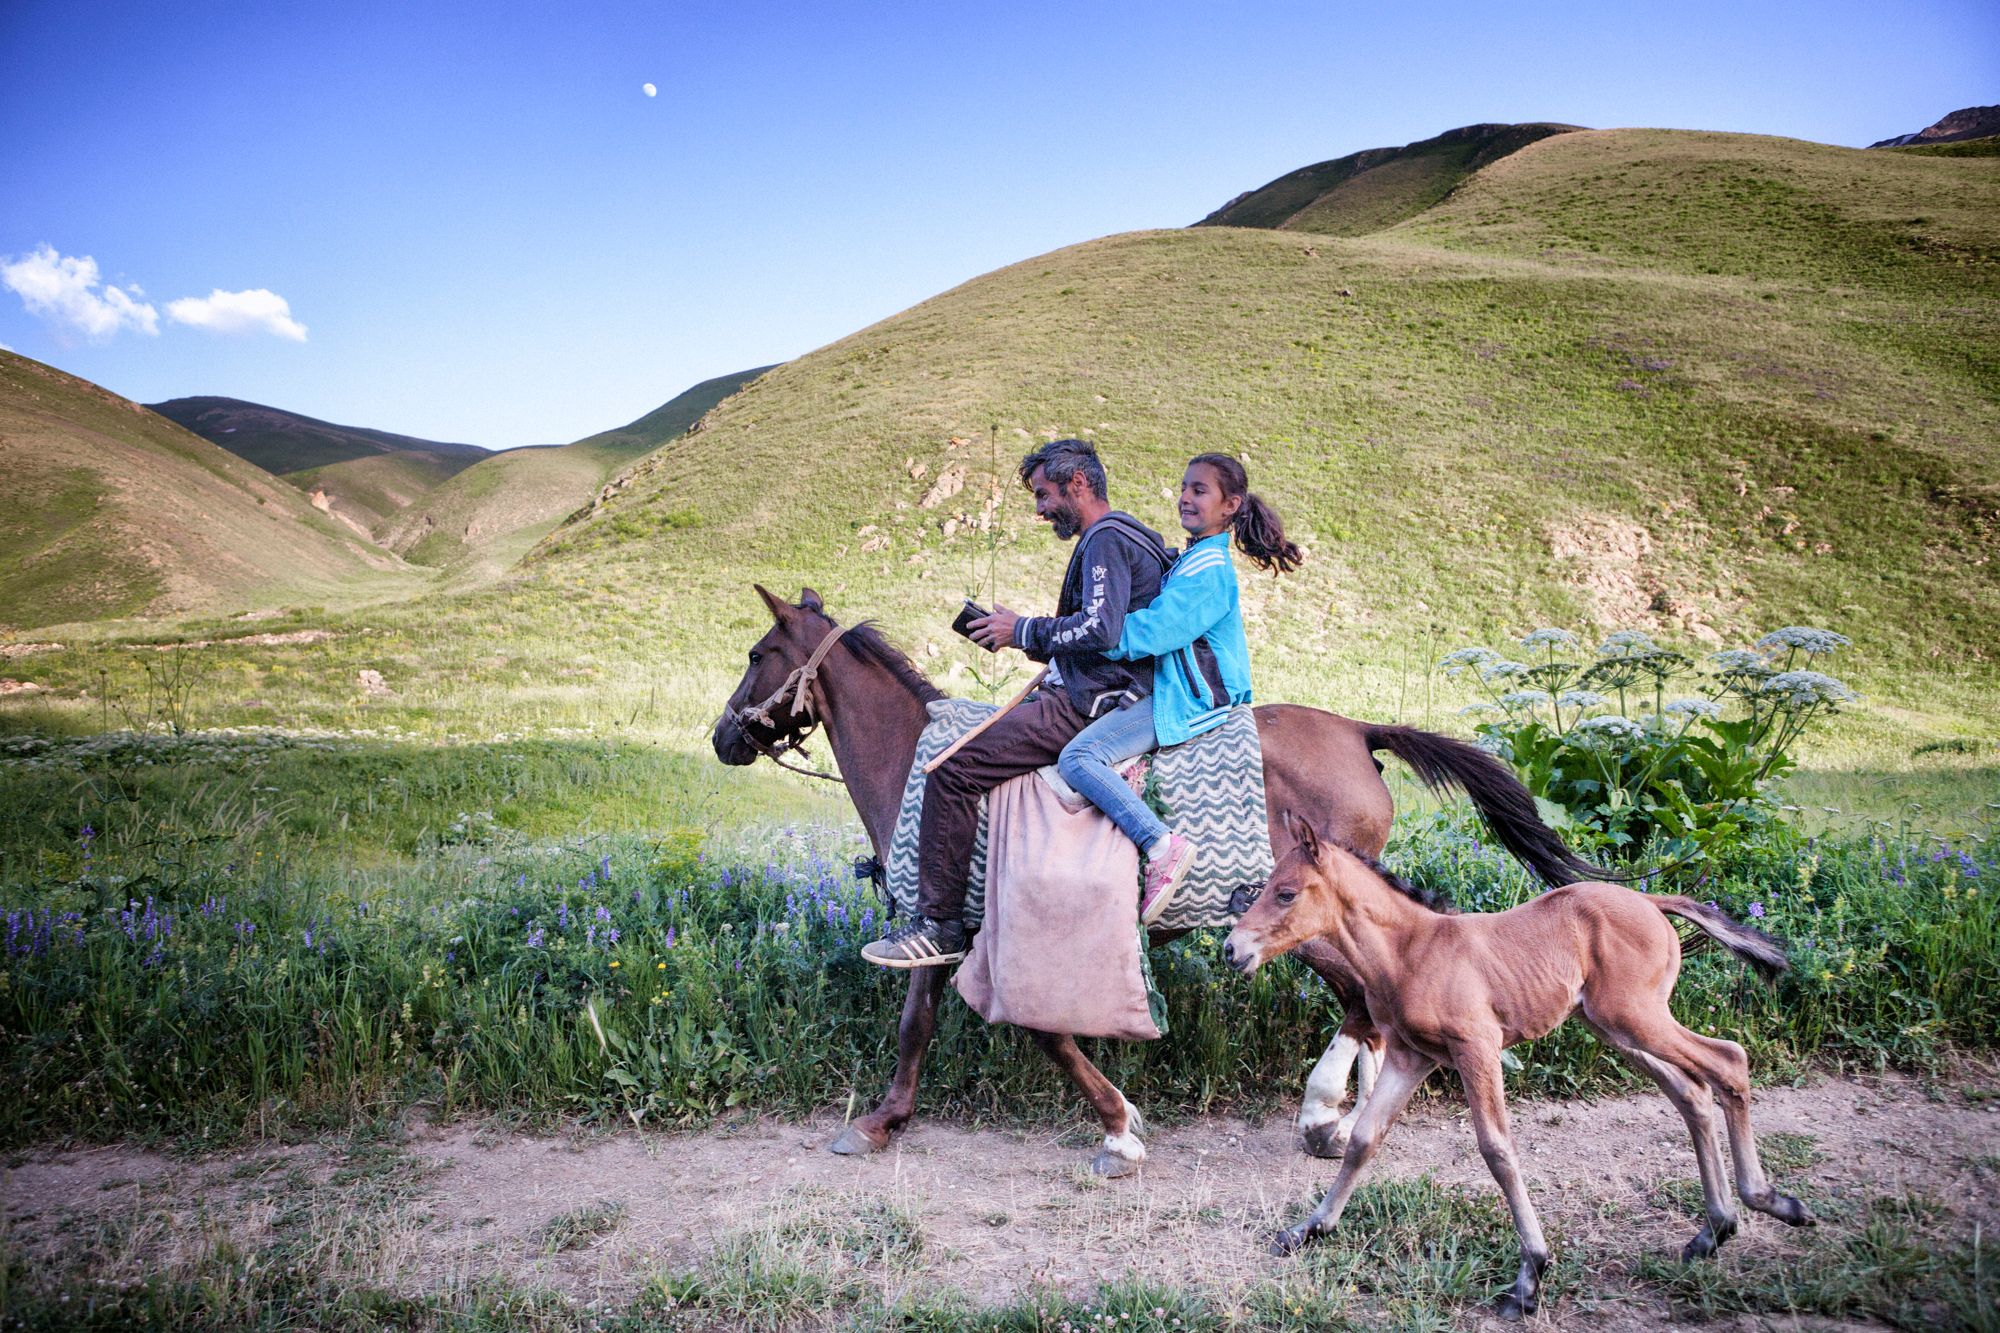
column 996, row 631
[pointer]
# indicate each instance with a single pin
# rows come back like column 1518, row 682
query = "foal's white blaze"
column 1326, row 1086
column 1127, row 1145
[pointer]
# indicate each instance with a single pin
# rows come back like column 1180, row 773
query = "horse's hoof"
column 1291, row 1240
column 1702, row 1246
column 1513, row 1309
column 1794, row 1213
column 1111, row 1166
column 1326, row 1140
column 854, row 1143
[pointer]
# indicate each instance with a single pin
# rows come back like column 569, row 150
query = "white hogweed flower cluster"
column 1580, row 699
column 1606, row 730
column 1694, row 708
column 1549, row 638
column 1803, row 689
column 1524, row 699
column 1627, row 643
column 1811, row 642
column 1467, row 659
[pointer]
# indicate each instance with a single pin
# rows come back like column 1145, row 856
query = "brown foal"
column 1456, row 990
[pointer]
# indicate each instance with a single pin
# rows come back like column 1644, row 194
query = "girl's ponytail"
column 1259, row 532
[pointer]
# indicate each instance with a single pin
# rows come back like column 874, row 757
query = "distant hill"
column 1378, row 187
column 362, row 475
column 1972, row 122
column 282, row 442
column 496, row 509
column 1703, row 384
column 111, row 510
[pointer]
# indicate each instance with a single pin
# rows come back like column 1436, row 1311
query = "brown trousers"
column 1021, row 742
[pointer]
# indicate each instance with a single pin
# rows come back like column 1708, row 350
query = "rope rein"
column 798, row 689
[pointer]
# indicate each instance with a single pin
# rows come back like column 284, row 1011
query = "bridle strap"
column 798, row 689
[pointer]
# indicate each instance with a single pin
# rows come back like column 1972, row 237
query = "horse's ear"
column 810, row 600
column 778, row 606
column 1305, row 835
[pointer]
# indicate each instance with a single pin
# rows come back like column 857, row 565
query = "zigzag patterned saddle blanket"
column 1212, row 787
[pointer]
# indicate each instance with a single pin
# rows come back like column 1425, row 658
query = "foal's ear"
column 810, row 600
column 1304, row 834
column 777, row 605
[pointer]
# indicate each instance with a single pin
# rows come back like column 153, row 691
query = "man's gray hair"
column 1060, row 460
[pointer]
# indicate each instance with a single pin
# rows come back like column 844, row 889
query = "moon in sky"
column 649, row 90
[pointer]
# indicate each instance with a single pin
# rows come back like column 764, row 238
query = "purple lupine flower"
column 521, row 880
column 562, row 917
column 1757, row 910
column 589, row 936
column 307, row 932
column 535, row 937
column 670, row 937
column 603, row 913
column 611, row 937
column 604, row 868
column 246, row 929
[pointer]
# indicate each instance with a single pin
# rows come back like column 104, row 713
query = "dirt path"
column 999, row 1210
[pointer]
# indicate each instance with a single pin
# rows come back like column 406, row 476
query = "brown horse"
column 871, row 701
column 1457, row 990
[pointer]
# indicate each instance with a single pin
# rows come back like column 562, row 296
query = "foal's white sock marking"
column 1326, row 1086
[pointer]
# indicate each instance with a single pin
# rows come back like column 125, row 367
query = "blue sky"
column 468, row 222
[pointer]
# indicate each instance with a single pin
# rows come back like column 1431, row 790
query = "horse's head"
column 1298, row 903
column 795, row 631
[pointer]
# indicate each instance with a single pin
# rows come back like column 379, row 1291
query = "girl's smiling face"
column 1205, row 510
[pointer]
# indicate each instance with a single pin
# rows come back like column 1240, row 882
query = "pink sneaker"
column 1164, row 874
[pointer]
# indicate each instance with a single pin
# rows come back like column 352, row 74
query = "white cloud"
column 254, row 311
column 67, row 292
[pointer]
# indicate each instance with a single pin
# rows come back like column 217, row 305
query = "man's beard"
column 1066, row 521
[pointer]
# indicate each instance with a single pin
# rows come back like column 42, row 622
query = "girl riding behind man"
column 1194, row 629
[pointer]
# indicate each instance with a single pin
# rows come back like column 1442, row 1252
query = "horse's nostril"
column 1228, row 951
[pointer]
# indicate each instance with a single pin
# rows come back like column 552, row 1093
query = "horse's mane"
column 1430, row 898
column 865, row 640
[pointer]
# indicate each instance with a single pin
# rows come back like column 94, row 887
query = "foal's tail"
column 1750, row 944
column 1442, row 762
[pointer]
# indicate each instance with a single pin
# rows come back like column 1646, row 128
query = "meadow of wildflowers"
column 209, row 984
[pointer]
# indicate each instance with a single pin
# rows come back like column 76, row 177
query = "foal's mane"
column 866, row 641
column 1429, row 898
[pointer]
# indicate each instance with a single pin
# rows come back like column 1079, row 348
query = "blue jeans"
column 1087, row 764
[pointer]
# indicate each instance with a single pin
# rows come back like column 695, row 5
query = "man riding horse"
column 1117, row 568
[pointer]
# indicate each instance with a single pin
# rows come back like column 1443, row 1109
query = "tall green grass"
column 207, row 965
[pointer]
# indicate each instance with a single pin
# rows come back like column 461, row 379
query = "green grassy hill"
column 1378, row 187
column 110, row 510
column 1701, row 384
column 490, row 514
column 372, row 491
column 1704, row 384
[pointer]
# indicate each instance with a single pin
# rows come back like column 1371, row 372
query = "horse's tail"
column 1508, row 807
column 1750, row 944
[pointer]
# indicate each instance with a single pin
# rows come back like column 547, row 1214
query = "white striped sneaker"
column 918, row 942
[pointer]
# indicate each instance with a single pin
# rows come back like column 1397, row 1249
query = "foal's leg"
column 1402, row 1070
column 1486, row 1102
column 1726, row 1070
column 1646, row 1042
column 871, row 1132
column 1122, row 1151
column 1322, row 1126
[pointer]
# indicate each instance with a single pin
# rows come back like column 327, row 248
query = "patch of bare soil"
column 1003, row 1209
column 295, row 636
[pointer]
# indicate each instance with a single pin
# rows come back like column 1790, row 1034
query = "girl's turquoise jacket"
column 1198, row 601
